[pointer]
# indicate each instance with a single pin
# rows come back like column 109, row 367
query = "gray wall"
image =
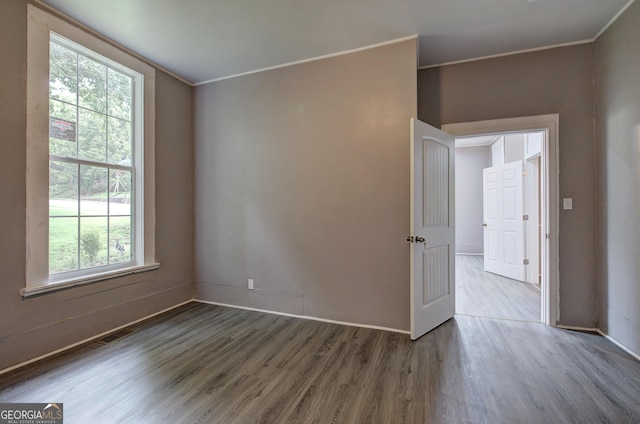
column 29, row 328
column 552, row 81
column 513, row 147
column 618, row 178
column 470, row 161
column 302, row 183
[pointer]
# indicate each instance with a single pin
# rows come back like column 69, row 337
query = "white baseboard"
column 620, row 345
column 469, row 254
column 311, row 318
column 97, row 336
column 603, row 334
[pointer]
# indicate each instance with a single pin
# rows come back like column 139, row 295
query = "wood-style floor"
column 210, row 364
column 484, row 294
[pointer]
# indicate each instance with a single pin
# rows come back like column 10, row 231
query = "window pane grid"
column 89, row 109
column 72, row 160
column 96, row 152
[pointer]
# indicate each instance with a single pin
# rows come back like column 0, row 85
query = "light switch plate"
column 567, row 203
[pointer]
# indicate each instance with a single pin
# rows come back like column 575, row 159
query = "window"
column 90, row 184
column 92, row 160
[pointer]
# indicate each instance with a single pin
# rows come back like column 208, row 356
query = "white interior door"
column 432, row 228
column 503, row 220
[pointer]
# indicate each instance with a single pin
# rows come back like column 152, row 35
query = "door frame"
column 533, row 233
column 550, row 181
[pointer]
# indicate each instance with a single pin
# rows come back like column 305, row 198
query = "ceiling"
column 204, row 40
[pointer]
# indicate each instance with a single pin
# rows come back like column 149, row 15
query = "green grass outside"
column 64, row 240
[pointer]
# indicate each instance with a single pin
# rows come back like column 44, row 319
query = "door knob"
column 417, row 239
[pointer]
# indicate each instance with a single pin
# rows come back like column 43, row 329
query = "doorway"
column 522, row 237
column 497, row 255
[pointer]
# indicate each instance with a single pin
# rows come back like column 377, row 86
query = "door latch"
column 417, row 239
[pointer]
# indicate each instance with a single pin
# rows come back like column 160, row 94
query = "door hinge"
column 525, row 217
column 525, row 173
column 526, row 261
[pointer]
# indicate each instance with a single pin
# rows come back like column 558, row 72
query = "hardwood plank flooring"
column 210, row 364
column 484, row 294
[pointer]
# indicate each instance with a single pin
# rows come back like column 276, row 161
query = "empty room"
column 312, row 212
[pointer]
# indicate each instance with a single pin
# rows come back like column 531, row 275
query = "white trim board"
column 614, row 19
column 311, row 59
column 551, row 177
column 89, row 279
column 617, row 343
column 55, row 352
column 537, row 49
column 598, row 331
column 307, row 317
column 498, row 55
column 97, row 336
column 51, row 9
column 55, row 12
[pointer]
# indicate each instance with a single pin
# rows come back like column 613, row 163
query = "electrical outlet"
column 250, row 282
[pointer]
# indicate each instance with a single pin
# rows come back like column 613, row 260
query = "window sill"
column 81, row 281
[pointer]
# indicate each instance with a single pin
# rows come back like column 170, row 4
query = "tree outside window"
column 91, row 164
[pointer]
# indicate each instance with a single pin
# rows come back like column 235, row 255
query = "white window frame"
column 38, row 281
